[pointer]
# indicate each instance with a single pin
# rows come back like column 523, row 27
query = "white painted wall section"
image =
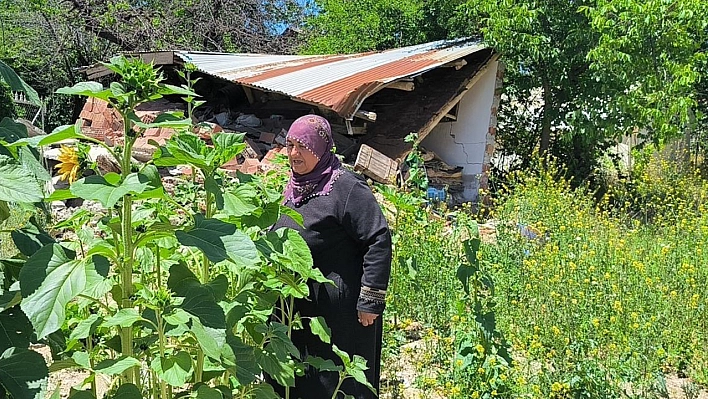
column 463, row 142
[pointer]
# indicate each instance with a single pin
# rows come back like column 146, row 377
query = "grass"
column 18, row 218
column 609, row 298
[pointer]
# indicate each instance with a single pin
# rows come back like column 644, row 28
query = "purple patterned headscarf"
column 314, row 133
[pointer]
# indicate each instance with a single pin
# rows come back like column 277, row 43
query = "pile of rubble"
column 441, row 174
column 265, row 137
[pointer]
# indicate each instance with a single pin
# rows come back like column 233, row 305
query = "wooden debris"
column 376, row 165
column 457, row 64
column 441, row 174
column 107, row 164
column 280, row 138
column 249, row 94
column 252, row 150
column 366, row 115
column 405, row 86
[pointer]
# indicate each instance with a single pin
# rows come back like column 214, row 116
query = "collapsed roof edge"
column 339, row 82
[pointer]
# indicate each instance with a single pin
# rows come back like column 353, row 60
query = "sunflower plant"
column 160, row 297
column 72, row 160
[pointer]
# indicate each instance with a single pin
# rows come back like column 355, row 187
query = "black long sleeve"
column 365, row 223
column 351, row 245
column 350, row 242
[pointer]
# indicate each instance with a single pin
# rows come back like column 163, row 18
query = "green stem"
column 158, row 267
column 205, row 279
column 190, row 104
column 291, row 308
column 161, row 335
column 97, row 302
column 126, row 333
column 282, row 310
column 89, row 347
column 199, row 369
column 342, row 377
column 289, row 321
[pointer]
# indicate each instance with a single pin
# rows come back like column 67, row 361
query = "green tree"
column 654, row 50
column 553, row 100
column 582, row 72
column 345, row 26
column 47, row 41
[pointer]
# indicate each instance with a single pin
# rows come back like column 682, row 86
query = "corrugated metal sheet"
column 338, row 82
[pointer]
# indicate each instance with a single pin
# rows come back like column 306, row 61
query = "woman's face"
column 302, row 161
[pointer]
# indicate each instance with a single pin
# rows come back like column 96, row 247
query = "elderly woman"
column 350, row 244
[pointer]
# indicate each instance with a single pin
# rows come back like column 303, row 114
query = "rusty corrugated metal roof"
column 338, row 82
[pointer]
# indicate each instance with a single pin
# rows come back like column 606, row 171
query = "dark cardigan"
column 351, row 245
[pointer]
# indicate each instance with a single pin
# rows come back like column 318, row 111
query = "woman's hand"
column 367, row 319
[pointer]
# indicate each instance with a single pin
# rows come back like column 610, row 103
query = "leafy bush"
column 7, row 105
column 163, row 295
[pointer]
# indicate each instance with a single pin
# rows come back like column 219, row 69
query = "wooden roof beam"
column 457, row 64
column 464, row 88
column 156, row 58
column 366, row 115
column 405, row 86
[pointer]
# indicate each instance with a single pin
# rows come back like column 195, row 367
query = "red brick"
column 250, row 166
column 267, row 137
column 232, row 165
column 489, row 149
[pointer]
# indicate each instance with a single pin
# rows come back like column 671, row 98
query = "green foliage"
column 46, row 41
column 580, row 73
column 417, row 177
column 615, row 300
column 186, row 295
column 592, row 297
column 342, row 26
column 654, row 50
column 482, row 352
column 23, row 373
column 15, row 83
column 7, row 105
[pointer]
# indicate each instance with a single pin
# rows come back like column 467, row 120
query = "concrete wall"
column 469, row 141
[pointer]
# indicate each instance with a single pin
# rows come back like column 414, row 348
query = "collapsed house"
column 446, row 91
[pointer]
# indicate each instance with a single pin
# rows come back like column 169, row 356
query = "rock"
column 58, row 206
column 222, row 118
column 249, row 120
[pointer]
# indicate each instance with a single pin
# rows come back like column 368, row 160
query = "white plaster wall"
column 462, row 143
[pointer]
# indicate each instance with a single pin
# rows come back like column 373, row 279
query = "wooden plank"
column 464, row 88
column 457, row 64
column 249, row 94
column 157, row 57
column 376, row 165
column 366, row 115
column 405, row 86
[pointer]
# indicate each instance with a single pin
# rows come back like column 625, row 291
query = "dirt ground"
column 403, row 373
column 67, row 378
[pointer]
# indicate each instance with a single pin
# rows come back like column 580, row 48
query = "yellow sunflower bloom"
column 69, row 164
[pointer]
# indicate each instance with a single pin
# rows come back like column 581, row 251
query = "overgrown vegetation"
column 166, row 298
column 596, row 299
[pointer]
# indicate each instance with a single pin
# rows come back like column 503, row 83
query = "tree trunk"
column 546, row 117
